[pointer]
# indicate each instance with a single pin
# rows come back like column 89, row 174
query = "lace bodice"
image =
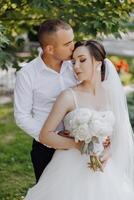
column 83, row 101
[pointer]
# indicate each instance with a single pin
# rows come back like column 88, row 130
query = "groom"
column 40, row 82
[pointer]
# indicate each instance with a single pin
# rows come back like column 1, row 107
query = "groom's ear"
column 49, row 49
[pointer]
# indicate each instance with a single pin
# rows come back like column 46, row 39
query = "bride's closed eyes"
column 81, row 60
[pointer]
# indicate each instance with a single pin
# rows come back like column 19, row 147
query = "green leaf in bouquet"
column 84, row 148
column 90, row 147
column 95, row 139
column 87, row 148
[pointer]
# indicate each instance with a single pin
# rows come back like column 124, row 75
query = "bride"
column 67, row 176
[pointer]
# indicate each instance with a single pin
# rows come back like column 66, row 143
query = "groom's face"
column 63, row 45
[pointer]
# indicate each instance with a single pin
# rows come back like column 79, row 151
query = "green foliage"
column 4, row 56
column 131, row 108
column 88, row 18
column 3, row 38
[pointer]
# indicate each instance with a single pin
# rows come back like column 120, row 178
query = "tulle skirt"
column 67, row 177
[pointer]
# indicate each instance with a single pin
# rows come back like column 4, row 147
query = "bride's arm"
column 63, row 104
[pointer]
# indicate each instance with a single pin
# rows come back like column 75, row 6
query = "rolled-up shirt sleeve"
column 23, row 101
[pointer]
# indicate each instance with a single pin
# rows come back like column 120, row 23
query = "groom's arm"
column 23, row 101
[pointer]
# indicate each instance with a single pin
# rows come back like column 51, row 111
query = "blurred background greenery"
column 109, row 21
column 20, row 19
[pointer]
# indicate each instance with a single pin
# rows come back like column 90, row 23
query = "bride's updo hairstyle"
column 96, row 50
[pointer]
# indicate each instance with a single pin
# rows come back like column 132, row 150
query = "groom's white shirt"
column 36, row 89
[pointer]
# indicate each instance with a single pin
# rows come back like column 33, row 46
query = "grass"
column 16, row 171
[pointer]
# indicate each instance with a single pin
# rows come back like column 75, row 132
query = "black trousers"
column 40, row 156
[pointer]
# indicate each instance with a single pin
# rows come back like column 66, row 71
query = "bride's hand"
column 78, row 145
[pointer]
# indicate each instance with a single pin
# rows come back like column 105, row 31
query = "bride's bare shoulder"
column 66, row 94
column 66, row 98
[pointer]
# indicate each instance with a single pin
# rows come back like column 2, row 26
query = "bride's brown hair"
column 96, row 50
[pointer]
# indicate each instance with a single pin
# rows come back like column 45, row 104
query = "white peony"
column 87, row 123
column 92, row 127
column 81, row 133
column 102, row 123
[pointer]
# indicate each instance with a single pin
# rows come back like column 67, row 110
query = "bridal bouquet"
column 92, row 127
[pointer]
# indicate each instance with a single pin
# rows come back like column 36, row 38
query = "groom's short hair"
column 49, row 28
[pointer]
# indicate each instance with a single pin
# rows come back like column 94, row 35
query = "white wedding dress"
column 67, row 176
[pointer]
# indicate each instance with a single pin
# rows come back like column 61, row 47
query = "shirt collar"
column 42, row 66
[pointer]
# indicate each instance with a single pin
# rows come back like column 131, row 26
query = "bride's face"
column 83, row 64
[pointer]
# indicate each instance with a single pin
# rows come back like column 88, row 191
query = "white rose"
column 81, row 132
column 102, row 123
